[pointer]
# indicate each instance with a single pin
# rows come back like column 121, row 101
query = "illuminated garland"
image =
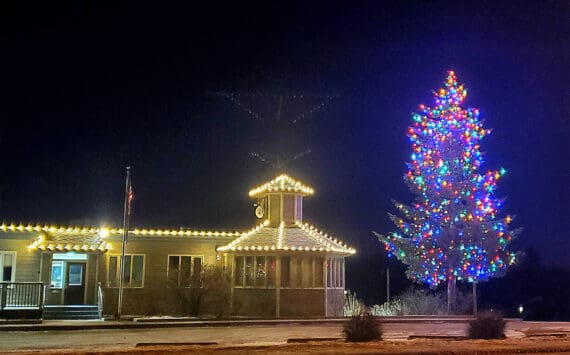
column 282, row 183
column 106, row 231
column 453, row 229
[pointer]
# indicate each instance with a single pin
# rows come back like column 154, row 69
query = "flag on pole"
column 126, row 214
column 131, row 196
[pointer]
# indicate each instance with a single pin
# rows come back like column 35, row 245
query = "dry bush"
column 360, row 328
column 487, row 325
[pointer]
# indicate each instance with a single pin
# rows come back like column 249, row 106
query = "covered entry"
column 67, row 278
column 69, row 264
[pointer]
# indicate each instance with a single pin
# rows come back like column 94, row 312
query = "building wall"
column 27, row 261
column 155, row 297
column 91, row 279
column 335, row 302
column 297, row 303
column 252, row 302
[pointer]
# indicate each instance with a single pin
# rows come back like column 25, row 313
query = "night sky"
column 87, row 89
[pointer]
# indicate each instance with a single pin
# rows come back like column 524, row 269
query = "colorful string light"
column 452, row 230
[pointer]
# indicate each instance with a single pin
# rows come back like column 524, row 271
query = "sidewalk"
column 145, row 323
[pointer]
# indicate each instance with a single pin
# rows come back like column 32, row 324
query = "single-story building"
column 283, row 267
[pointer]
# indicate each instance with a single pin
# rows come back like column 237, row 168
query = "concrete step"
column 71, row 312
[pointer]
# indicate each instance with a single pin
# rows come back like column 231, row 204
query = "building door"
column 75, row 283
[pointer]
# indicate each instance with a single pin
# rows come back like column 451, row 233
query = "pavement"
column 145, row 323
column 56, row 335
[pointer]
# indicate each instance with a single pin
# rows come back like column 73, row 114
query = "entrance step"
column 71, row 312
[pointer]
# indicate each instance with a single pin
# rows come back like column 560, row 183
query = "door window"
column 75, row 276
column 56, row 274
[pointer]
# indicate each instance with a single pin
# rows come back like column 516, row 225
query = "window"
column 133, row 272
column 303, row 272
column 8, row 263
column 335, row 272
column 184, row 270
column 297, row 280
column 260, row 274
column 329, row 272
column 238, row 277
column 271, row 271
column 288, row 207
column 249, row 270
column 308, row 272
column 285, row 272
column 319, row 272
column 56, row 274
column 75, row 274
column 254, row 271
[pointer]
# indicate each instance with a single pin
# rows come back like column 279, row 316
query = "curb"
column 82, row 325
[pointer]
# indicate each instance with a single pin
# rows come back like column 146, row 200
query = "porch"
column 21, row 300
column 26, row 300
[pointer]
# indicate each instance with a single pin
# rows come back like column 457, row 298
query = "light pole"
column 387, row 284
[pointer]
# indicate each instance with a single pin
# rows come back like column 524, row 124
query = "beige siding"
column 27, row 261
column 90, row 280
column 302, row 303
column 155, row 297
column 274, row 210
column 289, row 209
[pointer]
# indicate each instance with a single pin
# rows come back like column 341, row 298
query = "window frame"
column 335, row 272
column 192, row 257
column 14, row 258
column 301, row 263
column 254, row 285
column 118, row 271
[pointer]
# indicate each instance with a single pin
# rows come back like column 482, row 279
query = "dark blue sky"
column 87, row 89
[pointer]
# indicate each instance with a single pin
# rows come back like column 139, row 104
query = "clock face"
column 259, row 212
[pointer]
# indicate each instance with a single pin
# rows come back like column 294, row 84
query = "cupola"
column 280, row 200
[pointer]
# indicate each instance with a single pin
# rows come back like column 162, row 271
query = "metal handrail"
column 100, row 300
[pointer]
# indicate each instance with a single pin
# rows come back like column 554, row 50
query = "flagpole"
column 125, row 235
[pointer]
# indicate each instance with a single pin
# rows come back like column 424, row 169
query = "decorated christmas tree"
column 452, row 231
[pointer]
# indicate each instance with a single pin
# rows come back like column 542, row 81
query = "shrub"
column 487, row 325
column 412, row 302
column 422, row 302
column 352, row 305
column 362, row 328
column 215, row 297
column 392, row 308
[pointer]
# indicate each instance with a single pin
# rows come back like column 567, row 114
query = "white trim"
column 126, row 285
column 192, row 257
column 14, row 257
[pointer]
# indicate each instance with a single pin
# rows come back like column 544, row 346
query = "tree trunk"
column 451, row 295
column 475, row 299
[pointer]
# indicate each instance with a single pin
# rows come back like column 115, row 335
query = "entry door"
column 75, row 283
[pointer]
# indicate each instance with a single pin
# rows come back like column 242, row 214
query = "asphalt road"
column 235, row 335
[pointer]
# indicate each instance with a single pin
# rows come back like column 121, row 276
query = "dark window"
column 288, row 208
column 260, row 273
column 113, row 264
column 239, row 270
column 7, row 262
column 271, row 271
column 184, row 270
column 319, row 272
column 249, row 266
column 133, row 272
column 285, row 274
